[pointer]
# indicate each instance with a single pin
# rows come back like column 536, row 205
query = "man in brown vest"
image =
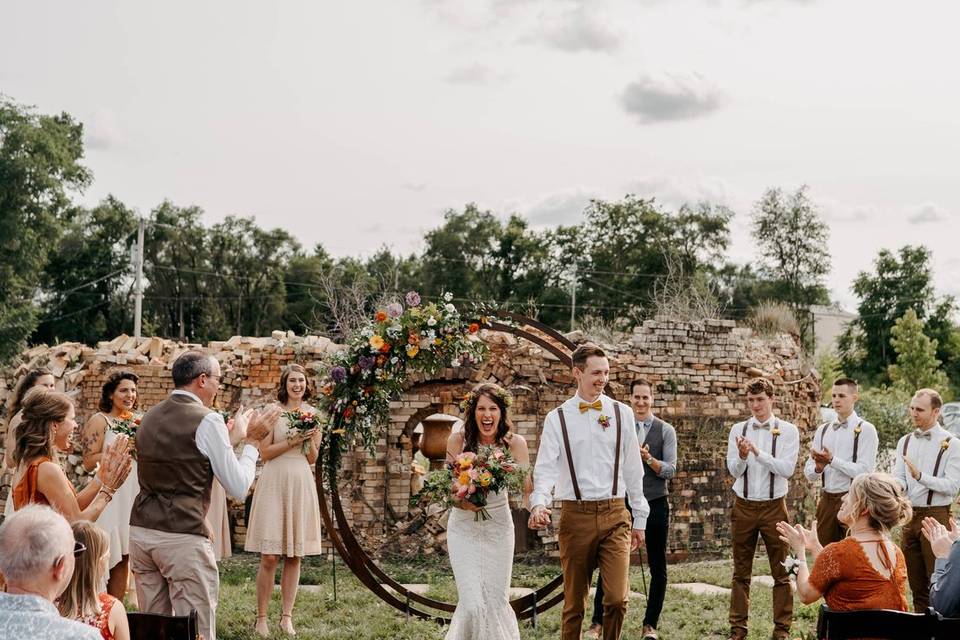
column 589, row 459
column 182, row 445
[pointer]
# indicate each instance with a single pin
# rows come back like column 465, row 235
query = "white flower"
column 367, row 332
column 454, row 363
column 448, row 296
column 431, row 321
column 450, row 308
column 394, row 360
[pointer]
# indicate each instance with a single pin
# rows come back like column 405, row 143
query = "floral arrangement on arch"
column 356, row 391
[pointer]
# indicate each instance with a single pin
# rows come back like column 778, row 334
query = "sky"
column 357, row 124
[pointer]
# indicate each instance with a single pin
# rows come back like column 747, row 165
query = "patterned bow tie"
column 840, row 425
column 765, row 425
column 922, row 434
column 590, row 405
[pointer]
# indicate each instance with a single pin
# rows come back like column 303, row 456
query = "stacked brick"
column 698, row 368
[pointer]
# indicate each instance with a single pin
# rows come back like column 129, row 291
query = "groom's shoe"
column 649, row 633
column 594, row 632
column 738, row 633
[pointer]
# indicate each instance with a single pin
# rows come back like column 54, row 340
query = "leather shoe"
column 594, row 632
column 649, row 633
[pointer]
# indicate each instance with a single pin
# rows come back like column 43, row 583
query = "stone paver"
column 702, row 588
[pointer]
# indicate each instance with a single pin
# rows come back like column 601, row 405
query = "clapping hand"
column 822, row 458
column 116, row 463
column 940, row 538
column 261, row 424
column 799, row 538
column 539, row 517
column 744, row 447
column 912, row 468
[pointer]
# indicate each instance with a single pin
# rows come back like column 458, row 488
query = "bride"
column 481, row 552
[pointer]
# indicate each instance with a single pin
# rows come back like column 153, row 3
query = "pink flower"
column 394, row 309
column 413, row 299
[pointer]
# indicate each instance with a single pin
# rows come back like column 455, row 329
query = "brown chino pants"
column 829, row 529
column 918, row 554
column 594, row 534
column 751, row 520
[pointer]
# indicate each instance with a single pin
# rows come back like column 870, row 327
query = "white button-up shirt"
column 838, row 437
column 593, row 449
column 757, row 468
column 923, row 454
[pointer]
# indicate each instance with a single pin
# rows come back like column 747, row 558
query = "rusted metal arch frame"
column 372, row 576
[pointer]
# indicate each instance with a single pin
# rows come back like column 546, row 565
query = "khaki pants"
column 752, row 520
column 918, row 554
column 829, row 529
column 594, row 534
column 176, row 572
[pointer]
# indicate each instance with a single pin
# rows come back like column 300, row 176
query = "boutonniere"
column 945, row 444
column 604, row 421
column 857, row 429
column 775, row 431
column 792, row 565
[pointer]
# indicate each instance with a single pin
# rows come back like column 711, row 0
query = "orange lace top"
column 102, row 621
column 27, row 491
column 845, row 576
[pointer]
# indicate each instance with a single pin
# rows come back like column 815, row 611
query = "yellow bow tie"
column 590, row 405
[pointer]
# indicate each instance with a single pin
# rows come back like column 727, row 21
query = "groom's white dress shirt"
column 757, row 468
column 593, row 449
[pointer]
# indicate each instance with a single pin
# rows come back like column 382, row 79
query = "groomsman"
column 928, row 467
column 589, row 459
column 761, row 456
column 659, row 454
column 841, row 450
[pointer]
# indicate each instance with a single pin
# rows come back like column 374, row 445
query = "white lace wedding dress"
column 481, row 554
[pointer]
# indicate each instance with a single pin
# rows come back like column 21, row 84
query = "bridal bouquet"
column 127, row 424
column 301, row 423
column 472, row 477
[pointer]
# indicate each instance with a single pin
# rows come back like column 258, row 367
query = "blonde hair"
column 882, row 497
column 82, row 595
column 41, row 408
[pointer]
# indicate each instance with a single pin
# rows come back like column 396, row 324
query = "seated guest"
column 49, row 420
column 945, row 581
column 84, row 598
column 37, row 552
column 865, row 570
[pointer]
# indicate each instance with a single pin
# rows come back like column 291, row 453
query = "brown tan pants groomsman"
column 589, row 460
column 841, row 450
column 761, row 456
column 928, row 467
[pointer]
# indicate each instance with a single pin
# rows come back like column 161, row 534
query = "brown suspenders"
column 936, row 465
column 616, row 458
column 773, row 452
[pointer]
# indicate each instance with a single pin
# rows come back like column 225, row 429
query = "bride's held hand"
column 466, row 505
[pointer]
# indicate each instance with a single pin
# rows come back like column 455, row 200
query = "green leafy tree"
column 830, row 369
column 39, row 167
column 886, row 408
column 917, row 366
column 792, row 238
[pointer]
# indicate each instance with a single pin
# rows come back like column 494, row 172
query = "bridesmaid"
column 34, row 378
column 49, row 420
column 118, row 400
column 285, row 515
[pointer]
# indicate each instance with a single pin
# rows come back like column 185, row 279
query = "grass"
column 356, row 614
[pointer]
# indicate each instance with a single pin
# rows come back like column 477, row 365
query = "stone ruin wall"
column 699, row 370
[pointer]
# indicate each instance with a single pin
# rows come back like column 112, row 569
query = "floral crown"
column 470, row 398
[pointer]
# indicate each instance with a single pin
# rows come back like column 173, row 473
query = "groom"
column 589, row 457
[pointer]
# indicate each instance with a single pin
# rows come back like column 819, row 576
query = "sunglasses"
column 78, row 549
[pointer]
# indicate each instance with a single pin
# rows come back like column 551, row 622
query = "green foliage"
column 39, row 165
column 886, row 408
column 769, row 318
column 917, row 366
column 792, row 239
column 830, row 368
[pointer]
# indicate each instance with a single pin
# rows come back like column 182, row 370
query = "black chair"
column 946, row 628
column 885, row 624
column 156, row 626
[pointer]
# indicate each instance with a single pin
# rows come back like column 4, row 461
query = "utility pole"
column 573, row 297
column 138, row 299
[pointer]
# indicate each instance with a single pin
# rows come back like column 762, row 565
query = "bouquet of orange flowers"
column 127, row 424
column 300, row 423
column 472, row 477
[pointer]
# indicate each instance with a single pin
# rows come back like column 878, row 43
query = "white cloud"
column 476, row 74
column 579, row 30
column 929, row 213
column 671, row 96
column 101, row 131
column 413, row 186
column 560, row 208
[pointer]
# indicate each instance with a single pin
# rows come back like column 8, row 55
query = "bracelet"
column 108, row 494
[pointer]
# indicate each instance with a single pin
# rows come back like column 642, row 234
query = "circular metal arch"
column 375, row 578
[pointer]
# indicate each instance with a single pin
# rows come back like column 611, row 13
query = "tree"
column 792, row 239
column 917, row 366
column 39, row 165
column 899, row 282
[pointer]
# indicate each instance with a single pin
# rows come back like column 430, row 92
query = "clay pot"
column 433, row 443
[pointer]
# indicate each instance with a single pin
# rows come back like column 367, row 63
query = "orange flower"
column 464, row 478
column 384, row 349
column 126, row 415
column 376, row 342
column 326, row 389
column 413, row 338
column 348, row 413
column 381, row 316
column 474, row 327
column 412, row 350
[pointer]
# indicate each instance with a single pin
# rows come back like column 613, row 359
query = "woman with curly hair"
column 34, row 378
column 481, row 551
column 118, row 401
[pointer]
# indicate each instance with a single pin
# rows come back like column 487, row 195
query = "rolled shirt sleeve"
column 668, row 466
column 236, row 475
column 547, row 467
column 632, row 470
